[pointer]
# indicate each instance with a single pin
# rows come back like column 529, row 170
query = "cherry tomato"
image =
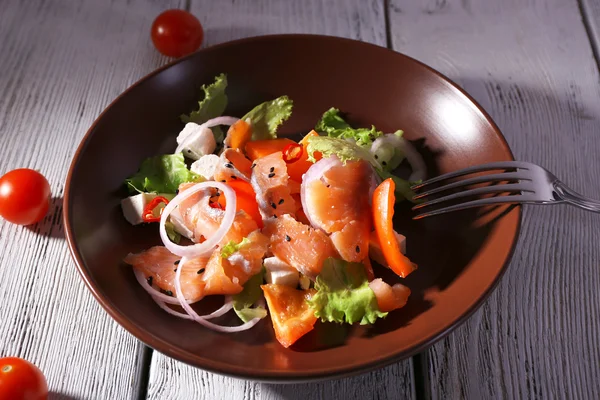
column 176, row 33
column 21, row 380
column 24, row 196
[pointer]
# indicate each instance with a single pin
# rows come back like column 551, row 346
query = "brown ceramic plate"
column 461, row 256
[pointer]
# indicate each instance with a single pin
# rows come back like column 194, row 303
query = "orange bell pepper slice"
column 238, row 135
column 383, row 213
column 245, row 200
column 262, row 148
column 300, row 166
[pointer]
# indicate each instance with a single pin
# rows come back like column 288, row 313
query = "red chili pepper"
column 292, row 152
column 215, row 205
column 148, row 213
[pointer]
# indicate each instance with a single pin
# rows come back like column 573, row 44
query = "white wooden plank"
column 227, row 20
column 529, row 63
column 61, row 63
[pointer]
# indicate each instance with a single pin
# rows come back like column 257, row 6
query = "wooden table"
column 532, row 64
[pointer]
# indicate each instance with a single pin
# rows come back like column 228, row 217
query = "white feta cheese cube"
column 205, row 166
column 178, row 225
column 133, row 207
column 304, row 282
column 280, row 273
column 196, row 141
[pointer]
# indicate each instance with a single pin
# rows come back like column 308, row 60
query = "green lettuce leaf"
column 232, row 247
column 345, row 150
column 243, row 301
column 161, row 174
column 171, row 233
column 403, row 190
column 265, row 118
column 343, row 294
column 213, row 103
column 333, row 125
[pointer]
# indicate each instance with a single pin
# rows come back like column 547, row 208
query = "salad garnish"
column 251, row 216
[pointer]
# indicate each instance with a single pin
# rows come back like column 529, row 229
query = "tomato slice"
column 383, row 214
column 291, row 315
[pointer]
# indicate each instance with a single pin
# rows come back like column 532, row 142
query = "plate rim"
column 233, row 370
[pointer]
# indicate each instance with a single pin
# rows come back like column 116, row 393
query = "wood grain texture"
column 529, row 64
column 228, row 20
column 61, row 63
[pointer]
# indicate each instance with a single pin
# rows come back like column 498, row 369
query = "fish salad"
column 278, row 227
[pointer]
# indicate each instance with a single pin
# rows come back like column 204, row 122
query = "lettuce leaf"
column 403, row 190
column 343, row 294
column 345, row 150
column 171, row 233
column 333, row 125
column 266, row 117
column 232, row 247
column 161, row 174
column 213, row 103
column 243, row 301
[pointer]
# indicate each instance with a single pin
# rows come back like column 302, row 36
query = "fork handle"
column 572, row 197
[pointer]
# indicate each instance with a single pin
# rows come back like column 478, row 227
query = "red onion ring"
column 203, row 320
column 156, row 295
column 204, row 248
column 228, row 305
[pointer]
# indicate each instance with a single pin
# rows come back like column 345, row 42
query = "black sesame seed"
column 287, row 238
column 149, row 280
column 274, row 216
column 272, row 169
column 252, row 166
column 201, row 270
column 357, row 249
column 383, row 163
column 376, row 156
column 177, row 191
column 169, row 293
column 272, row 174
column 233, row 177
column 228, row 165
column 175, row 270
column 177, row 262
column 274, row 205
column 280, row 201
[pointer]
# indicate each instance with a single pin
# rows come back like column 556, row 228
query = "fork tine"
column 504, row 176
column 472, row 170
column 511, row 187
column 476, row 203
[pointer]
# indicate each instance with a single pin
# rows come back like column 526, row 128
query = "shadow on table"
column 52, row 224
column 62, row 396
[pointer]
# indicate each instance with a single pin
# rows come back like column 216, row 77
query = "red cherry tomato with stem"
column 176, row 33
column 24, row 196
column 21, row 380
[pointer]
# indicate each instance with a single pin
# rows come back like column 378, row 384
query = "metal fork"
column 528, row 184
